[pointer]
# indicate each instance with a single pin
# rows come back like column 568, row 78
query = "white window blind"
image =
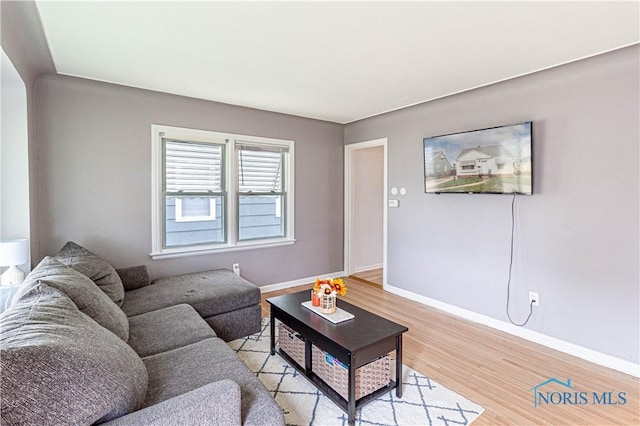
column 260, row 168
column 193, row 167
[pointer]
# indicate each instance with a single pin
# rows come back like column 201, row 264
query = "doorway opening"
column 365, row 211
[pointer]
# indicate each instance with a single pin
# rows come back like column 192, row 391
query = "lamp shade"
column 14, row 252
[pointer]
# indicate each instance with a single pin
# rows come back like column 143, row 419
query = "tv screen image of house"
column 492, row 161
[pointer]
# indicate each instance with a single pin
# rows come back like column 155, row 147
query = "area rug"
column 423, row 402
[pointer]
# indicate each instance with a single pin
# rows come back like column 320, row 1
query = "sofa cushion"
column 236, row 324
column 165, row 329
column 82, row 291
column 216, row 403
column 134, row 277
column 61, row 367
column 183, row 369
column 210, row 293
column 94, row 267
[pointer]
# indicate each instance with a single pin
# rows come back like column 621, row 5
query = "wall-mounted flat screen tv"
column 486, row 161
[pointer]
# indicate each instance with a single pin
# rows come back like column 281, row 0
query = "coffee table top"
column 365, row 329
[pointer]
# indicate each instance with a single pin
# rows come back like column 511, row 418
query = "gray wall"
column 24, row 43
column 576, row 240
column 94, row 177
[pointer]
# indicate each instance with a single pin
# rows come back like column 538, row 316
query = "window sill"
column 196, row 251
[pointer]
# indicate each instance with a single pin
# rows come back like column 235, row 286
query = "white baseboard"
column 367, row 268
column 587, row 354
column 288, row 284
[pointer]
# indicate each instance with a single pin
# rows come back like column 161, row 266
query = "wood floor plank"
column 493, row 368
column 373, row 276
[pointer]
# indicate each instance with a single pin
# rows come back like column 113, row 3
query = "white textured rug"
column 423, row 402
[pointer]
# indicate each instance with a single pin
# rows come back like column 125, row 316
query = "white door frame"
column 348, row 204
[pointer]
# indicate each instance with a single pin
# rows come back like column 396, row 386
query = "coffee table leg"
column 272, row 326
column 399, row 366
column 351, row 384
column 307, row 357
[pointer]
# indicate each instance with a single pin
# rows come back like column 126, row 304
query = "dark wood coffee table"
column 355, row 342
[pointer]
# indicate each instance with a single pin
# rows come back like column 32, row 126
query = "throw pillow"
column 86, row 295
column 94, row 267
column 60, row 367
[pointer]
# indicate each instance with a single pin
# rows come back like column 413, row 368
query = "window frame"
column 230, row 213
column 180, row 217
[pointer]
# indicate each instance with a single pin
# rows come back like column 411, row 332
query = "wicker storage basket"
column 369, row 378
column 291, row 343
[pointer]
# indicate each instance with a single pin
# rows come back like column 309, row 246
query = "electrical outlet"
column 533, row 298
column 236, row 269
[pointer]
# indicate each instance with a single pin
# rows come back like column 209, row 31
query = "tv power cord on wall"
column 513, row 220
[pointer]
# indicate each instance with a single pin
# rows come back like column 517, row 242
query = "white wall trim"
column 348, row 203
column 226, row 248
column 587, row 354
column 301, row 281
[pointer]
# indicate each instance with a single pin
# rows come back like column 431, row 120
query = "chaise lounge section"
column 228, row 303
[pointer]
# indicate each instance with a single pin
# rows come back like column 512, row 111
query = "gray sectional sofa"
column 85, row 344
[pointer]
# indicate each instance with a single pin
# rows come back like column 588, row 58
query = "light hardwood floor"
column 373, row 276
column 492, row 368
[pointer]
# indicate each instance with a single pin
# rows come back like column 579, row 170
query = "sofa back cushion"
column 82, row 291
column 94, row 267
column 61, row 367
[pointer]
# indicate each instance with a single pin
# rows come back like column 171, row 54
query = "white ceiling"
column 338, row 61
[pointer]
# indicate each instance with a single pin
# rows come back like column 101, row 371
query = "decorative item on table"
column 326, row 291
column 315, row 298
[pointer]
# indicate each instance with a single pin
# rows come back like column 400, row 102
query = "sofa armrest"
column 134, row 277
column 216, row 403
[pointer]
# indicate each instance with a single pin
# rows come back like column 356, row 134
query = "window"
column 219, row 192
column 260, row 191
column 192, row 183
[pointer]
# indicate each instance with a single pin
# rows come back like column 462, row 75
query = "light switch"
column 394, row 203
